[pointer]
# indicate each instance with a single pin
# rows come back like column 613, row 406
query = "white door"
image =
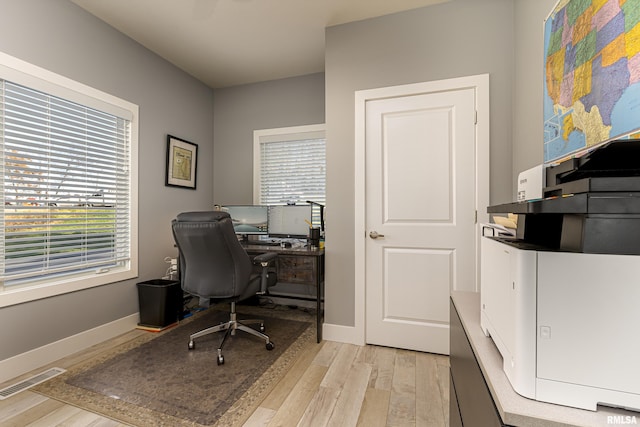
column 420, row 199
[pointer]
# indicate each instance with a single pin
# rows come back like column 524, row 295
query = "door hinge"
column 475, row 120
column 475, row 221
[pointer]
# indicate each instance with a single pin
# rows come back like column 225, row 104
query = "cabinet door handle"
column 374, row 234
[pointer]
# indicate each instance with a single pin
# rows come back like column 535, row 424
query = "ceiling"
column 230, row 42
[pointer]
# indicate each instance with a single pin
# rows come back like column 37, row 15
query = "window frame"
column 26, row 74
column 284, row 134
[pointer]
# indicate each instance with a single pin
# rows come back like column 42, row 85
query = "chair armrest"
column 264, row 260
column 266, row 257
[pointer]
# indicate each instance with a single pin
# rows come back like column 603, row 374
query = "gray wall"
column 454, row 39
column 240, row 110
column 59, row 36
column 529, row 72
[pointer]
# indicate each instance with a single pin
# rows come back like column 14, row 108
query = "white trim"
column 20, row 294
column 24, row 73
column 482, row 162
column 359, row 214
column 39, row 357
column 481, row 85
column 340, row 333
column 34, row 77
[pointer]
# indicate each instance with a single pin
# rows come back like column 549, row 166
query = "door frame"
column 480, row 83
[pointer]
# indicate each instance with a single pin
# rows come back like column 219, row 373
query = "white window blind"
column 66, row 187
column 290, row 166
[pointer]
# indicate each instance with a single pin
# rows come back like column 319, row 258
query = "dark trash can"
column 160, row 302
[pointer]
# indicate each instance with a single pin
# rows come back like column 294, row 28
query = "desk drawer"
column 296, row 269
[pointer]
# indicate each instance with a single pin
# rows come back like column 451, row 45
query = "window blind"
column 293, row 171
column 65, row 189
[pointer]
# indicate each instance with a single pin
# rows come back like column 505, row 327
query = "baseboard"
column 344, row 334
column 22, row 363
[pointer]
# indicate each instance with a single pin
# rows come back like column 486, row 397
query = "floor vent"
column 7, row 392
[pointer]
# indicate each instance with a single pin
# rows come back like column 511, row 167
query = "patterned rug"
column 155, row 380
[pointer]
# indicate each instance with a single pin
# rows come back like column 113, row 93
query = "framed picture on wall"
column 182, row 162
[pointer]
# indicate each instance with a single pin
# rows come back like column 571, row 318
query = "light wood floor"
column 331, row 384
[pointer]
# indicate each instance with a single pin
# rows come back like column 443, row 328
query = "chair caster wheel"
column 220, row 360
column 192, row 345
column 270, row 346
column 262, row 328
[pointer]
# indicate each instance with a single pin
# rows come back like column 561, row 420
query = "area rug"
column 155, row 380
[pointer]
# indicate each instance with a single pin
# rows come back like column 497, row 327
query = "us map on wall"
column 592, row 75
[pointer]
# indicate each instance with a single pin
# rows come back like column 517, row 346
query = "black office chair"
column 215, row 266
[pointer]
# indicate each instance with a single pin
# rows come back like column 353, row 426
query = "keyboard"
column 264, row 243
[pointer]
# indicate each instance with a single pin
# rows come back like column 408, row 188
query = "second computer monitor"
column 248, row 219
column 289, row 221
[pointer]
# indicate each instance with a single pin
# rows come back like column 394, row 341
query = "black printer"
column 591, row 203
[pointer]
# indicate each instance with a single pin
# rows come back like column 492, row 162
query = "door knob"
column 375, row 235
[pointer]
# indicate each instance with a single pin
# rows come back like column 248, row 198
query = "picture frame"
column 182, row 163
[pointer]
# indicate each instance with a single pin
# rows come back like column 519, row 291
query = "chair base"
column 230, row 328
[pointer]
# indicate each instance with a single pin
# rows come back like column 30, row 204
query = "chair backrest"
column 213, row 263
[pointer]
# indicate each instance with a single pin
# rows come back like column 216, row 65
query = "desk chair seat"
column 215, row 266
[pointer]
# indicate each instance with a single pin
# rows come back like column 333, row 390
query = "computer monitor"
column 248, row 219
column 289, row 221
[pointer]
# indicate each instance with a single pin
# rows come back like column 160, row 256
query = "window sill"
column 23, row 294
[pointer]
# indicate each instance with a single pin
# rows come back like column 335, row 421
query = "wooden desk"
column 300, row 266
